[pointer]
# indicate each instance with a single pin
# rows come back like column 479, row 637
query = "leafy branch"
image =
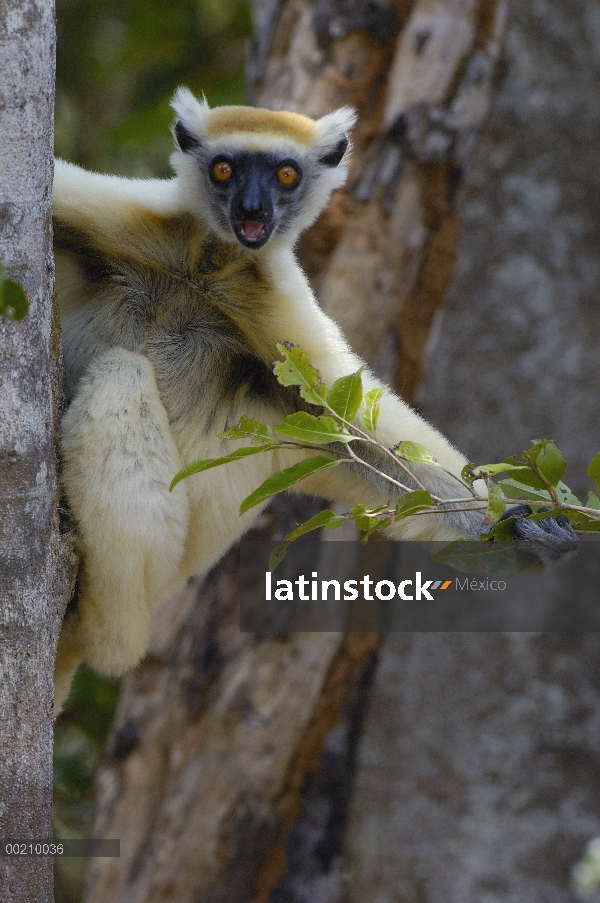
column 345, row 425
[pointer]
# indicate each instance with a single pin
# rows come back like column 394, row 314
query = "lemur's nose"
column 251, row 201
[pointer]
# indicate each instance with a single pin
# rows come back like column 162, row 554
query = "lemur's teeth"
column 252, row 231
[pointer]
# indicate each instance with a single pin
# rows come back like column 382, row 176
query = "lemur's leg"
column 119, row 459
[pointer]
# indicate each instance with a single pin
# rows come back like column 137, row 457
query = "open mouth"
column 251, row 233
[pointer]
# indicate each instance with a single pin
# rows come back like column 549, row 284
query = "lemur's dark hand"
column 547, row 539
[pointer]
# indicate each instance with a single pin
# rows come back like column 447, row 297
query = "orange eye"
column 222, row 171
column 287, row 175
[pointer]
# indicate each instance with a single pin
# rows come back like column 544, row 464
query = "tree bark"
column 478, row 770
column 35, row 565
column 218, row 732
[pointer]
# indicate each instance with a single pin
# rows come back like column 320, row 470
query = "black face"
column 254, row 193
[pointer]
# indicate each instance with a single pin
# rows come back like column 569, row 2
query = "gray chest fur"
column 188, row 305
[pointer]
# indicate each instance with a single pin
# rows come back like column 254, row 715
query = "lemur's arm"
column 304, row 323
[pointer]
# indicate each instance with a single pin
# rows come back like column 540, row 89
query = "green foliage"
column 500, row 558
column 411, row 502
column 310, row 429
column 295, row 370
column 79, row 739
column 512, row 489
column 283, row 479
column 418, row 454
column 118, row 63
column 346, row 395
column 13, row 300
column 260, row 433
column 533, row 479
column 326, row 519
column 199, row 466
column 594, row 470
column 496, row 504
column 369, row 414
column 366, row 519
column 585, row 877
column 549, row 462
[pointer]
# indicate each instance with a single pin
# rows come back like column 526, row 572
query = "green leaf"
column 502, row 531
column 249, row 429
column 550, row 462
column 565, row 496
column 410, row 502
column 283, row 479
column 503, row 559
column 490, row 470
column 208, row 463
column 581, row 526
column 368, row 519
column 593, row 501
column 365, row 522
column 13, row 300
column 535, row 450
column 412, row 451
column 346, row 395
column 524, row 474
column 517, row 470
column 496, row 506
column 317, row 430
column 575, row 516
column 467, row 475
column 549, row 512
column 328, row 519
column 594, row 470
column 370, row 413
column 383, row 521
column 515, row 490
column 362, row 509
column 296, row 370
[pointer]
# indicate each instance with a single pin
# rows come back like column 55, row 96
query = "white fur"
column 119, row 458
column 121, row 450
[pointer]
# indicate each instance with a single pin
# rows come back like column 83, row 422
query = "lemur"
column 173, row 295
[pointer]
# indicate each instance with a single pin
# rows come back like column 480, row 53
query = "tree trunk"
column 219, row 732
column 34, row 561
column 478, row 773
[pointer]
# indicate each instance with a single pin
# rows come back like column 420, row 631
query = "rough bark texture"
column 383, row 255
column 33, row 560
column 212, row 781
column 478, row 772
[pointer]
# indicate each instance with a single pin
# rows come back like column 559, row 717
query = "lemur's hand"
column 546, row 539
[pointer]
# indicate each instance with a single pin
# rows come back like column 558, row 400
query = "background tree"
column 478, row 774
column 35, row 563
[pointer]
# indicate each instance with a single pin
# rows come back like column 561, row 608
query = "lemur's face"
column 255, row 194
column 250, row 174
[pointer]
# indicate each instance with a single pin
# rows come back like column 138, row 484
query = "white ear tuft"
column 331, row 138
column 341, row 120
column 192, row 112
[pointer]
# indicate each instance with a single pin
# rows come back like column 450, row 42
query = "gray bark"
column 34, row 562
column 479, row 770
